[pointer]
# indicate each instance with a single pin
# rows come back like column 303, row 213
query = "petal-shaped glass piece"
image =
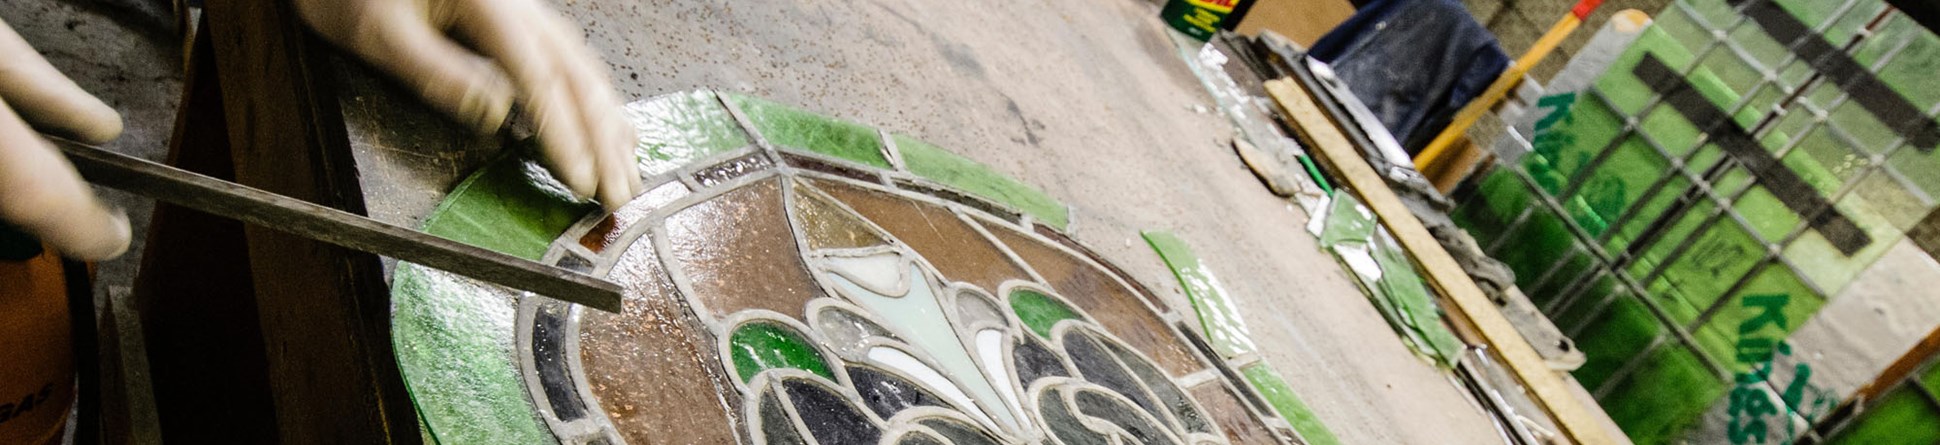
column 762, row 345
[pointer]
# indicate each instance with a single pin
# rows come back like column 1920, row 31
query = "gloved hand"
column 39, row 191
column 552, row 74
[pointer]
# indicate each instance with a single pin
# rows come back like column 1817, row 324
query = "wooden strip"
column 1547, row 387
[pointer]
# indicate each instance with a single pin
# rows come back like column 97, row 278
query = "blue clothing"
column 1414, row 63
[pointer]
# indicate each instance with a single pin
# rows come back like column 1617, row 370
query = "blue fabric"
column 1414, row 63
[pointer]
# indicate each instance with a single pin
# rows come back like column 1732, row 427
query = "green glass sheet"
column 1498, row 199
column 1911, row 71
column 930, row 161
column 1769, row 217
column 1716, row 261
column 1590, row 299
column 1564, row 149
column 1665, row 394
column 761, row 346
column 1618, row 184
column 1539, row 243
column 678, row 129
column 1277, row 393
column 1615, row 338
column 1580, row 263
column 1040, row 312
column 1767, row 310
column 1218, row 317
column 1824, row 265
column 794, row 128
column 1902, row 416
column 1347, row 221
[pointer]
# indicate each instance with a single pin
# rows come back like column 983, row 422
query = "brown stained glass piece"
column 1138, row 288
column 738, row 252
column 816, row 164
column 937, row 234
column 1226, row 409
column 648, row 367
column 827, row 226
column 1105, row 299
column 610, row 229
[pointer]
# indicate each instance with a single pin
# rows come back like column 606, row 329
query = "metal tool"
column 297, row 217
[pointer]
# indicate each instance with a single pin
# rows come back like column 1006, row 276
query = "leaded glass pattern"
column 817, row 284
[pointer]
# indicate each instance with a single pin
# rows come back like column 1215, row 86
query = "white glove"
column 39, row 191
column 552, row 74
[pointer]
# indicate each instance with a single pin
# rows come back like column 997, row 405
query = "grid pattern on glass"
column 1680, row 219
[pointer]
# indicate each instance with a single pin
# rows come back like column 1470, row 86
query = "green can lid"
column 16, row 245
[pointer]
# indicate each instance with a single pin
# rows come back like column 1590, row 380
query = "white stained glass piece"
column 896, row 359
column 847, row 332
column 880, row 273
column 919, row 319
column 990, row 349
column 975, row 308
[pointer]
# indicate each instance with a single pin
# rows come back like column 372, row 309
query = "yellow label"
column 1219, row 6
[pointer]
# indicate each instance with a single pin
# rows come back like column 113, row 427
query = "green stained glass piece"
column 1347, row 221
column 1766, row 310
column 930, row 161
column 453, row 336
column 1403, row 288
column 678, row 129
column 1040, row 312
column 1218, row 316
column 1616, row 337
column 1278, row 393
column 510, row 206
column 1920, row 169
column 761, row 346
column 1645, row 213
column 1931, row 378
column 794, row 128
column 1901, row 416
column 1672, row 300
column 1663, row 396
column 1629, row 93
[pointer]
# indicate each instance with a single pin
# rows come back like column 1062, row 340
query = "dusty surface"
column 1086, row 99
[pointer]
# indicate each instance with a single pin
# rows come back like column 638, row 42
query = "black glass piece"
column 775, row 424
column 918, row 439
column 732, row 168
column 1163, row 388
column 828, row 416
column 959, row 433
column 1112, row 410
column 549, row 356
column 816, row 164
column 1063, row 424
column 575, row 263
column 1097, row 366
column 1034, row 361
column 887, row 394
column 16, row 245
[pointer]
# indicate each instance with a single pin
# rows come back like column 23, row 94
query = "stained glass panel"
column 790, row 305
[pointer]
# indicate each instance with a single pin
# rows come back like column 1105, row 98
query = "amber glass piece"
column 1226, row 409
column 1117, row 308
column 610, row 229
column 827, row 226
column 649, row 368
column 938, row 235
column 738, row 252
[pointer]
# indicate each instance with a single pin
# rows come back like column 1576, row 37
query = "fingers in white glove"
column 536, row 65
column 41, row 194
column 48, row 99
column 612, row 138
